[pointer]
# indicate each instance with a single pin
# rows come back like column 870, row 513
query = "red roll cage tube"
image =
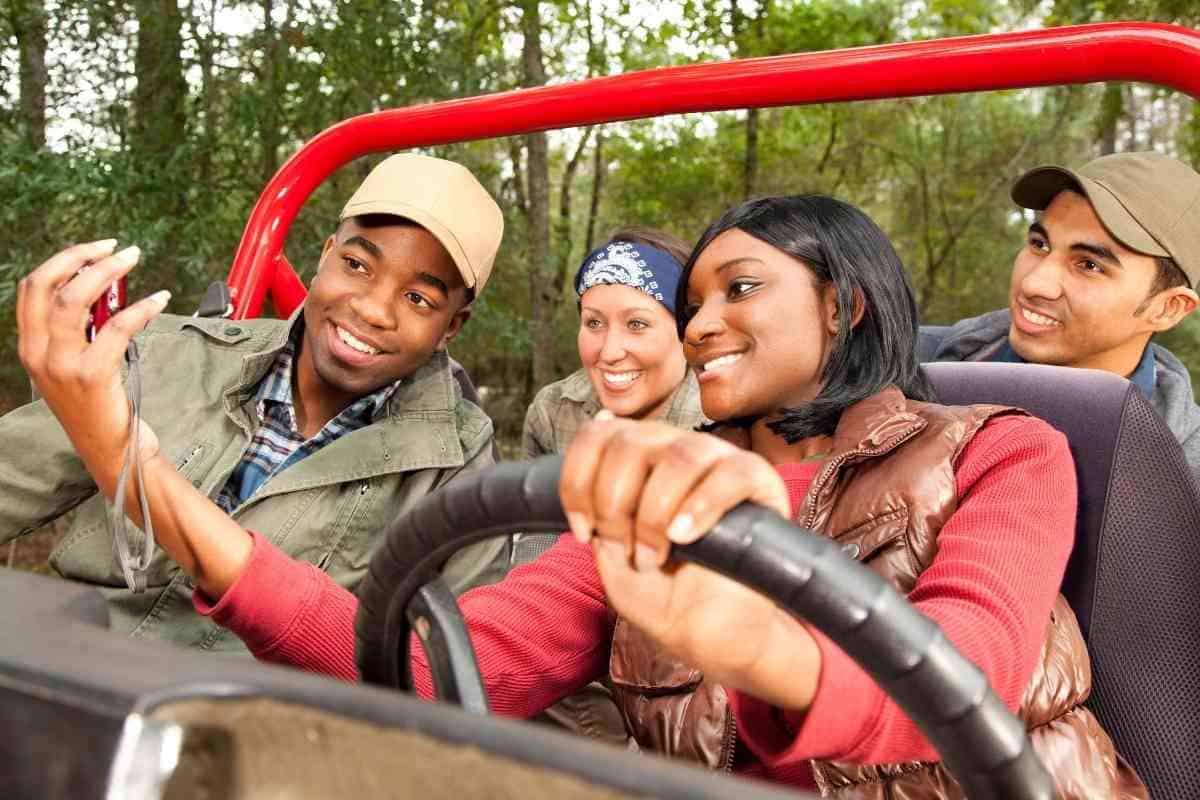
column 1168, row 55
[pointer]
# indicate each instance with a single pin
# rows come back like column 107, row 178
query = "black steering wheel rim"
column 982, row 744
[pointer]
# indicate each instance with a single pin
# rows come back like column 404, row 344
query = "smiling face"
column 385, row 298
column 629, row 347
column 759, row 329
column 1078, row 297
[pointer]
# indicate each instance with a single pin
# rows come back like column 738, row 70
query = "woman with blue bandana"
column 633, row 365
column 633, row 362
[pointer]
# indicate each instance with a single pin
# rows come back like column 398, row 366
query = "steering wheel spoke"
column 434, row 615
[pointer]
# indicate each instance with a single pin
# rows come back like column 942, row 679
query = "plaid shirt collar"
column 275, row 388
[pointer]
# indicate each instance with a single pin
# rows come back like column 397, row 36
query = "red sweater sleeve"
column 539, row 634
column 1000, row 561
column 288, row 612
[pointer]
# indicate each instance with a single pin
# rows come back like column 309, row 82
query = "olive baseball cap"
column 1148, row 202
column 445, row 199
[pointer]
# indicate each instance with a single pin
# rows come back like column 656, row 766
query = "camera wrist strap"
column 134, row 560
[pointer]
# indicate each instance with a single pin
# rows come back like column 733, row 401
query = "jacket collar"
column 1173, row 397
column 430, row 388
column 684, row 405
column 870, row 428
column 975, row 338
column 578, row 389
column 419, row 431
column 875, row 426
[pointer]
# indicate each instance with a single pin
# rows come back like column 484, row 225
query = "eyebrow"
column 434, row 281
column 1096, row 249
column 739, row 260
column 630, row 310
column 364, row 243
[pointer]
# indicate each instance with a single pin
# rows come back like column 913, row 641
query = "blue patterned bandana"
column 640, row 266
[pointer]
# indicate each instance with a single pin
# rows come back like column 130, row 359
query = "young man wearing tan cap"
column 314, row 432
column 1113, row 258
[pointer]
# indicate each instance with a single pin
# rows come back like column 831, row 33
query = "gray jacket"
column 329, row 509
column 978, row 339
column 561, row 408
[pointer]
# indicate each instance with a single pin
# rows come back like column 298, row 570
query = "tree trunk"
column 1131, row 117
column 736, row 19
column 750, row 172
column 159, row 123
column 543, row 294
column 1191, row 145
column 30, row 28
column 206, row 55
column 563, row 237
column 599, row 168
column 1112, row 106
column 274, row 56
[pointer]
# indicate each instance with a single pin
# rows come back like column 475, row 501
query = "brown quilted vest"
column 885, row 504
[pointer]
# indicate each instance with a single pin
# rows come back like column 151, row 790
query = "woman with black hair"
column 800, row 322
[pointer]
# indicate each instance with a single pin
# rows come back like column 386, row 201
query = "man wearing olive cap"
column 1113, row 258
column 313, row 432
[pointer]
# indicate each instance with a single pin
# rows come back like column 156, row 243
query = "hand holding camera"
column 79, row 380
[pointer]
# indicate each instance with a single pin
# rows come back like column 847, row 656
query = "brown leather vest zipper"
column 730, row 737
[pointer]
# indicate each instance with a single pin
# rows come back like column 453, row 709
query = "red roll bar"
column 1168, row 55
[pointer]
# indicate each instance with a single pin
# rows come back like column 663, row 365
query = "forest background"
column 160, row 121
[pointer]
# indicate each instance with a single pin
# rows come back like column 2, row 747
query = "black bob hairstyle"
column 839, row 244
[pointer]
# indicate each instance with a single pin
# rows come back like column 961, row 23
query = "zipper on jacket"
column 818, row 485
column 730, row 737
column 188, row 458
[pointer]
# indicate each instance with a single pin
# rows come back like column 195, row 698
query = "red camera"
column 109, row 303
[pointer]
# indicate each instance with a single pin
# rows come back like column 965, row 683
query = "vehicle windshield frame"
column 1162, row 54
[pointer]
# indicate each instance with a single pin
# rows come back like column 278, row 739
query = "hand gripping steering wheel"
column 980, row 741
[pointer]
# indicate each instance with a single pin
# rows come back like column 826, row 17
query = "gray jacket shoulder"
column 1175, row 402
column 970, row 339
column 244, row 334
column 558, row 411
column 172, row 342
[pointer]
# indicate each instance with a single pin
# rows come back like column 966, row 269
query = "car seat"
column 1134, row 575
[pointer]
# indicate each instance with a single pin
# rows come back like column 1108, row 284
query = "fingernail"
column 105, row 244
column 161, row 298
column 579, row 526
column 129, row 255
column 682, row 529
column 605, row 414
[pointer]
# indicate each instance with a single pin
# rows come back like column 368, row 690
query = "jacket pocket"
column 638, row 664
column 870, row 538
column 362, row 518
column 85, row 553
column 667, row 706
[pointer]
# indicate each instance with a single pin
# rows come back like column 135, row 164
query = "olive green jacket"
column 330, row 509
column 561, row 408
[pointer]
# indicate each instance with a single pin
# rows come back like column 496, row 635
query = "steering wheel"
column 982, row 744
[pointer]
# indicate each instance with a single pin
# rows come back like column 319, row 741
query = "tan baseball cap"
column 1148, row 202
column 445, row 199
